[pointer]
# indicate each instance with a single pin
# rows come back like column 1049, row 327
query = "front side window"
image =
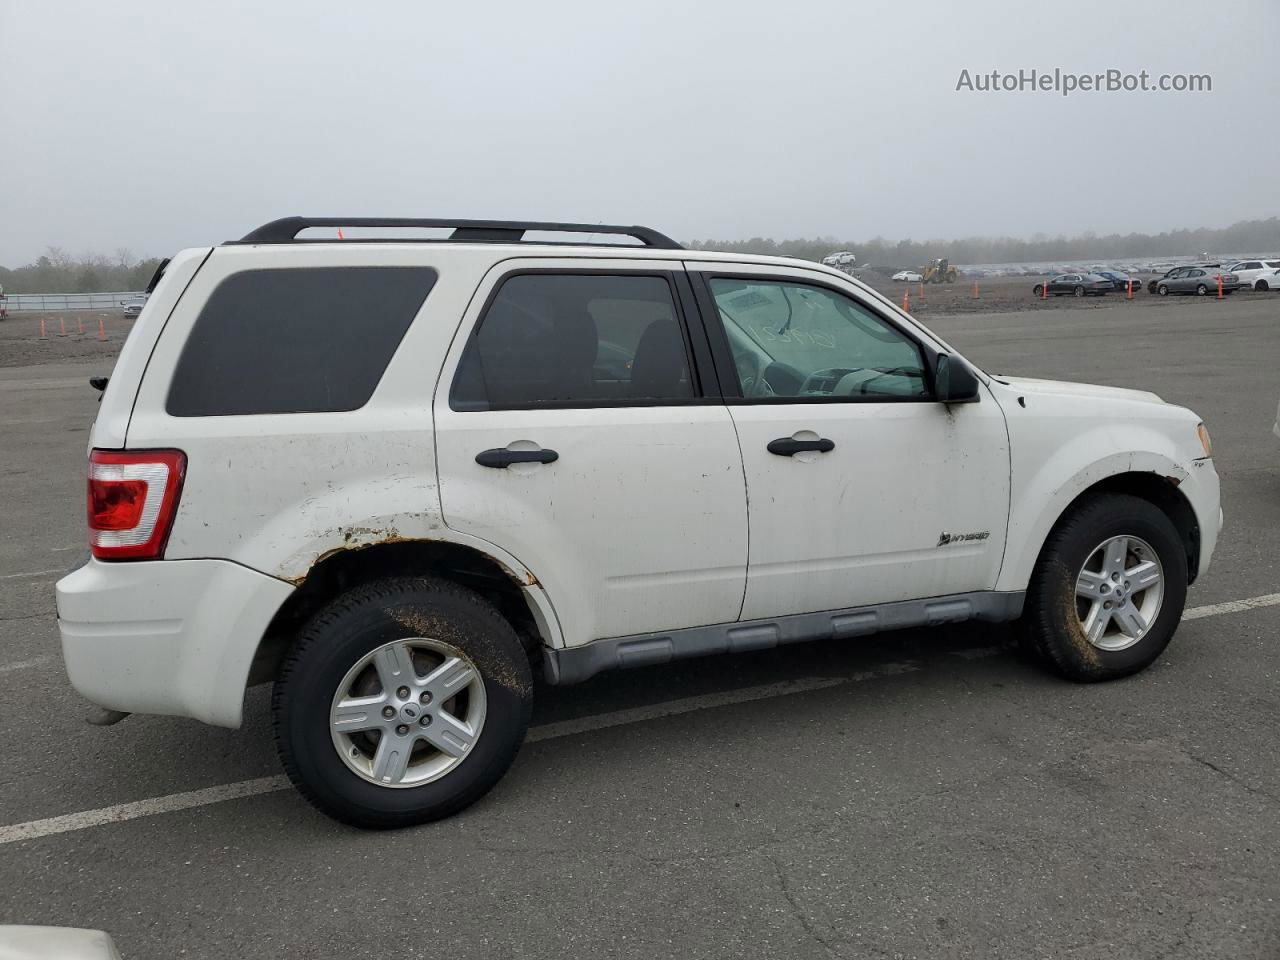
column 572, row 340
column 808, row 342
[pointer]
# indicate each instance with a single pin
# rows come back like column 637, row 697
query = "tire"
column 1261, row 285
column 1079, row 291
column 1051, row 625
column 495, row 705
column 1038, row 290
column 1162, row 290
column 1201, row 290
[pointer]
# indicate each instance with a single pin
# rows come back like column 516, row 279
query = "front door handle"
column 500, row 457
column 789, row 446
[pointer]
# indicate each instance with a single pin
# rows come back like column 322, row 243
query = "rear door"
column 578, row 426
column 862, row 489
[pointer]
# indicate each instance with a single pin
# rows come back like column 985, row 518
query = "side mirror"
column 953, row 381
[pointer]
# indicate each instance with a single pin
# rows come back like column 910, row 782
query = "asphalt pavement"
column 921, row 794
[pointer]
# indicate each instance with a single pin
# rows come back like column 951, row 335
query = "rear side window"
column 298, row 340
column 574, row 340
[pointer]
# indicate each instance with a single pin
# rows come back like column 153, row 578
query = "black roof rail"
column 286, row 230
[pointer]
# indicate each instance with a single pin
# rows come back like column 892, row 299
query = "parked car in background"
column 1268, row 281
column 1249, row 272
column 1077, row 284
column 1198, row 280
column 133, row 307
column 1174, row 273
column 908, row 276
column 1121, row 281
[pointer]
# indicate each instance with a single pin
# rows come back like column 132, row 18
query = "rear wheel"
column 1108, row 590
column 1201, row 290
column 1079, row 291
column 404, row 700
column 1261, row 285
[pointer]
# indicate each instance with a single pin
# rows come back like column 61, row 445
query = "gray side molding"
column 581, row 663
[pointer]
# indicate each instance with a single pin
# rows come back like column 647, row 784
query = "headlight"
column 1203, row 432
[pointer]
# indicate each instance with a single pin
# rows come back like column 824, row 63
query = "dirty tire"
column 350, row 627
column 1050, row 628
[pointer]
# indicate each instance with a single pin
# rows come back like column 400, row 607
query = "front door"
column 862, row 489
column 573, row 430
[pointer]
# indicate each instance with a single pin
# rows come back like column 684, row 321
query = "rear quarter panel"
column 277, row 492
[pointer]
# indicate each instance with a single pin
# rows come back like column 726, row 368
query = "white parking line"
column 25, row 664
column 1232, row 606
column 120, row 812
column 247, row 788
column 33, row 573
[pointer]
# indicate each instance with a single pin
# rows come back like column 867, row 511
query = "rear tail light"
column 133, row 497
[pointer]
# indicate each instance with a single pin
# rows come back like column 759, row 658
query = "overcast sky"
column 158, row 125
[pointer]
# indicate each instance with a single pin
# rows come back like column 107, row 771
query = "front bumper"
column 1203, row 491
column 172, row 637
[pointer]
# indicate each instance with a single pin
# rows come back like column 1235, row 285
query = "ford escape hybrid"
column 395, row 477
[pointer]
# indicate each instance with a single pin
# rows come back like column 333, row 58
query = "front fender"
column 1041, row 495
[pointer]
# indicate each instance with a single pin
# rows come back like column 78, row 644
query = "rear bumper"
column 172, row 637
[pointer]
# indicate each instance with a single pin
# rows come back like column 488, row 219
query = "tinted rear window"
column 309, row 340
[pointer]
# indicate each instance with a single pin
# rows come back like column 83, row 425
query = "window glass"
column 796, row 340
column 299, row 340
column 551, row 340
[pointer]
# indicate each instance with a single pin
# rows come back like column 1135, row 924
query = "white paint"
column 24, row 664
column 140, row 808
column 1232, row 606
column 33, row 573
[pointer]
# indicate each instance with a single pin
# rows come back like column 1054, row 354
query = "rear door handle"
column 500, row 457
column 789, row 446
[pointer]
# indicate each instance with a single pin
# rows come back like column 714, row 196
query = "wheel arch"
column 1159, row 488
column 514, row 590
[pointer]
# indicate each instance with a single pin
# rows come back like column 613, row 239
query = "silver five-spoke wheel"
column 408, row 712
column 1119, row 592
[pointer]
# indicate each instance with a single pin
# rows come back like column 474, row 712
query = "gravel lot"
column 922, row 794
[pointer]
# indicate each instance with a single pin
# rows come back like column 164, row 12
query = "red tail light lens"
column 133, row 497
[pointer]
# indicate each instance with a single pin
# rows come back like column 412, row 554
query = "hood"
column 1065, row 388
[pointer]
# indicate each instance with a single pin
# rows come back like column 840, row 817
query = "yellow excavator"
column 939, row 270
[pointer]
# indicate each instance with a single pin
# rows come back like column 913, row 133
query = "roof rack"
column 286, row 230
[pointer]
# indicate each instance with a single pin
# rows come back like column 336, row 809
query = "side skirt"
column 575, row 664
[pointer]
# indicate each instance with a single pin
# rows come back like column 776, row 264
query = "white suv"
column 394, row 476
column 1259, row 274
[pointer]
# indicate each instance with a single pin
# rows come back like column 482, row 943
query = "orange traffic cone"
column 975, row 290
column 906, row 300
column 102, row 329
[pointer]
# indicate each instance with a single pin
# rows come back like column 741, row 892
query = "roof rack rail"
column 286, row 230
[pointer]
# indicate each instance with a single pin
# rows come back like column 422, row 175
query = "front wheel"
column 1079, row 291
column 1162, row 290
column 1038, row 290
column 1108, row 590
column 405, row 700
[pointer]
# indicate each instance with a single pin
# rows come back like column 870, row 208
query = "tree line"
column 57, row 271
column 1245, row 237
